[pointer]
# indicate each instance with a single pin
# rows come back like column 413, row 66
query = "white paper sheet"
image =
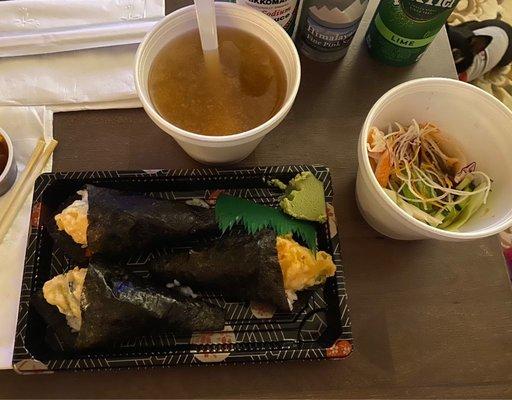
column 73, row 80
column 58, row 40
column 26, row 15
column 25, row 126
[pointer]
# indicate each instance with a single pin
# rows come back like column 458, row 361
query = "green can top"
column 401, row 30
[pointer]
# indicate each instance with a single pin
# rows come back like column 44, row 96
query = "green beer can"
column 401, row 30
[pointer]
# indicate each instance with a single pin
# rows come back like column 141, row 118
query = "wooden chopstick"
column 36, row 154
column 22, row 188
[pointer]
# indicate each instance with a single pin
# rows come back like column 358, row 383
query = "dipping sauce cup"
column 8, row 174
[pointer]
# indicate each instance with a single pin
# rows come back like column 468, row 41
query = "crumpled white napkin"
column 72, row 80
column 25, row 126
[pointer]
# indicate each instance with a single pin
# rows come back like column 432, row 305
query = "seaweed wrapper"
column 116, row 305
column 241, row 267
column 121, row 223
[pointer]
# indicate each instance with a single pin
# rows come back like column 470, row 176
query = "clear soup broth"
column 230, row 91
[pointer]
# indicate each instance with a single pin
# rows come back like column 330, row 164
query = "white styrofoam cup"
column 476, row 120
column 218, row 149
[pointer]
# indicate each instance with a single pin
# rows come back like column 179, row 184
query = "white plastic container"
column 8, row 175
column 476, row 120
column 218, row 149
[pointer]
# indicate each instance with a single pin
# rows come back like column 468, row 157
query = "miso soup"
column 230, row 91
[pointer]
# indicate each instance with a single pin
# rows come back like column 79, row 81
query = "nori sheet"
column 240, row 266
column 121, row 223
column 116, row 305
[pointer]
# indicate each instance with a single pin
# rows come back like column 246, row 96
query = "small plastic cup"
column 476, row 120
column 218, row 149
column 8, row 175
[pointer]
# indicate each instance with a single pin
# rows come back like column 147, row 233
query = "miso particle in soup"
column 4, row 154
column 230, row 91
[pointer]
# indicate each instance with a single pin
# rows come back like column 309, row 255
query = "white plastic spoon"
column 205, row 11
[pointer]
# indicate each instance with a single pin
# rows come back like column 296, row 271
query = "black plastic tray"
column 319, row 329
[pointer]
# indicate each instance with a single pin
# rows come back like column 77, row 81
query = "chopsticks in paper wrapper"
column 74, row 38
column 25, row 183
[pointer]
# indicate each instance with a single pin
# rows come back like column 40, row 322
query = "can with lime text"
column 401, row 30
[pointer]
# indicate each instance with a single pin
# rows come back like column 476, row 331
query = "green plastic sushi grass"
column 230, row 211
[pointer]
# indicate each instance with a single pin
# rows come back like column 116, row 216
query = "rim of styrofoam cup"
column 227, row 138
column 363, row 156
column 10, row 156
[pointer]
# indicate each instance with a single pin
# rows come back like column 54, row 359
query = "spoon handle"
column 205, row 11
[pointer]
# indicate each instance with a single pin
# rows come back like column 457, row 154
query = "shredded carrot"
column 383, row 169
column 373, row 163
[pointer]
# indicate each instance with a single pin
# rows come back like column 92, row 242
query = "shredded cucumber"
column 412, row 210
column 469, row 209
column 448, row 219
column 465, row 182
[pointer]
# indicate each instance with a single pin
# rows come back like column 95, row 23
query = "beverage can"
column 401, row 30
column 284, row 12
column 327, row 27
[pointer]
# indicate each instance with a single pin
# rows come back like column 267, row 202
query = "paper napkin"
column 72, row 80
column 25, row 126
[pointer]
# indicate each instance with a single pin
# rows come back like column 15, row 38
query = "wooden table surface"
column 430, row 319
